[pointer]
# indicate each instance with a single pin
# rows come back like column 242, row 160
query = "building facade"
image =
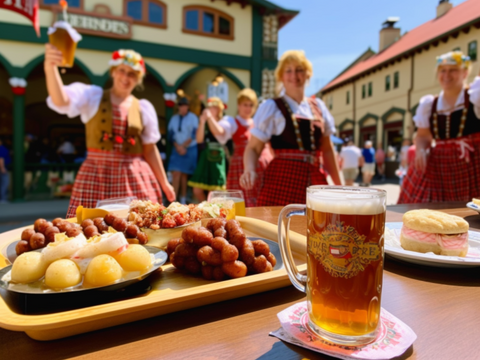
column 186, row 45
column 377, row 96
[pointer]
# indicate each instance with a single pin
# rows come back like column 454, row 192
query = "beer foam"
column 344, row 202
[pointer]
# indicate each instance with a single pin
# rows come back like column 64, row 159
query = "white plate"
column 473, row 206
column 394, row 249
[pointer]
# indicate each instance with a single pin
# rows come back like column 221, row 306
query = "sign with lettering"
column 91, row 23
column 27, row 8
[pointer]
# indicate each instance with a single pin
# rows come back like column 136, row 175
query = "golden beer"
column 345, row 275
column 345, row 254
column 62, row 40
column 239, row 206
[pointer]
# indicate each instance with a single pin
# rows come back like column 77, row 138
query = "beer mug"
column 65, row 38
column 345, row 254
column 235, row 195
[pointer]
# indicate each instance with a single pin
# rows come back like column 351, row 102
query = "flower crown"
column 215, row 101
column 128, row 57
column 454, row 58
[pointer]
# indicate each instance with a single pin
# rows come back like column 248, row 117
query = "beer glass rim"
column 372, row 193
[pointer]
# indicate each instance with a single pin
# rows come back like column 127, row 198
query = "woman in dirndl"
column 299, row 130
column 238, row 129
column 447, row 156
column 121, row 133
column 210, row 173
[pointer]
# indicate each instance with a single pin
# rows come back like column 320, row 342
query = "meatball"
column 27, row 234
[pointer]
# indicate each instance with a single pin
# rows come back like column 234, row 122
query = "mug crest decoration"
column 345, row 255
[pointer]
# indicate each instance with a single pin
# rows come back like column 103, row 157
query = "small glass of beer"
column 65, row 38
column 235, row 195
column 345, row 254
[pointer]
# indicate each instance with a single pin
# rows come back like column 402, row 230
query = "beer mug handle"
column 298, row 280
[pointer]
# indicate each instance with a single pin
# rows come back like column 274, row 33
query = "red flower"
column 106, row 137
column 131, row 141
column 118, row 139
column 169, row 103
column 116, row 55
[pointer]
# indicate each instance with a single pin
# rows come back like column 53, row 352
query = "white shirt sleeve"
column 329, row 120
column 84, row 101
column 150, row 133
column 424, row 110
column 474, row 93
column 229, row 126
column 268, row 121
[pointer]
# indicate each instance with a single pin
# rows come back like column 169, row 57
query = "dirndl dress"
column 210, row 173
column 113, row 174
column 294, row 168
column 240, row 140
column 453, row 167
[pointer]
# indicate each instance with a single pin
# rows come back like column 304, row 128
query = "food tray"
column 171, row 291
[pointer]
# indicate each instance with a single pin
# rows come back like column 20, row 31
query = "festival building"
column 204, row 47
column 375, row 98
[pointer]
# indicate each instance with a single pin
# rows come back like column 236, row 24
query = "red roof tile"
column 460, row 15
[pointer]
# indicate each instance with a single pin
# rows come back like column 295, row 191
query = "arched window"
column 206, row 21
column 77, row 4
column 147, row 12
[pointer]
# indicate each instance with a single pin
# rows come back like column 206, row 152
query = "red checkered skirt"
column 235, row 170
column 452, row 173
column 288, row 176
column 105, row 175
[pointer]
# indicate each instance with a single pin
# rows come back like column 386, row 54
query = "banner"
column 27, row 8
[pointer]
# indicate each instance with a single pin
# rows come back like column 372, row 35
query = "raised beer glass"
column 345, row 254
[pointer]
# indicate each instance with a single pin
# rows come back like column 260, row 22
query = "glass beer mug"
column 345, row 254
column 65, row 38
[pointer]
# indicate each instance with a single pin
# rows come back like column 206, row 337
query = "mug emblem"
column 342, row 251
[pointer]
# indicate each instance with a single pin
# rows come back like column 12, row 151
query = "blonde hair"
column 216, row 101
column 247, row 95
column 292, row 57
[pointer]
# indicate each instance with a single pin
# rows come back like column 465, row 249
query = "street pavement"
column 15, row 215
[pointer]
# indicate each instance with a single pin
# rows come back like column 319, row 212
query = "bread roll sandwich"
column 476, row 201
column 434, row 231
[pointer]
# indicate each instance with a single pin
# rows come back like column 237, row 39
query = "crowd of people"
column 280, row 146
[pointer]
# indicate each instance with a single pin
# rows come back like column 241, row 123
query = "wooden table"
column 441, row 305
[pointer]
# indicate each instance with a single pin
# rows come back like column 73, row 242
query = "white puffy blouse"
column 424, row 110
column 269, row 120
column 85, row 100
column 230, row 127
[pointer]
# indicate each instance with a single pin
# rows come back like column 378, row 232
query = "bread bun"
column 434, row 222
column 476, row 201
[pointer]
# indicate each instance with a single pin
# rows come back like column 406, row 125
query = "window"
column 369, row 89
column 330, row 103
column 364, row 91
column 147, row 12
column 456, row 49
column 472, row 50
column 202, row 20
column 387, row 83
column 78, row 4
column 396, row 80
column 348, row 97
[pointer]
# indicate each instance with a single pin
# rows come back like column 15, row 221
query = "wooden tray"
column 171, row 291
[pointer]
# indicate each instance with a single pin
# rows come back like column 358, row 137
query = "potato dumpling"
column 102, row 270
column 135, row 258
column 62, row 274
column 28, row 267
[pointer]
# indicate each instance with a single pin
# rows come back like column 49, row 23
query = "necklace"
column 297, row 129
column 447, row 124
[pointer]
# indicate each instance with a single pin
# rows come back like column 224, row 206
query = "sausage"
column 209, row 256
column 186, row 250
column 177, row 261
column 229, row 253
column 218, row 243
column 109, row 218
column 192, row 265
column 202, row 237
column 86, row 223
column 271, row 259
column 261, row 248
column 260, row 264
column 189, row 233
column 247, row 253
column 172, row 244
column 207, row 272
column 218, row 273
column 234, row 269
column 27, row 234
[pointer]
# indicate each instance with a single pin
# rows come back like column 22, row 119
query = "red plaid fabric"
column 111, row 174
column 235, row 170
column 288, row 176
column 447, row 177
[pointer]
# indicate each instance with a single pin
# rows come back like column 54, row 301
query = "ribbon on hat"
column 128, row 57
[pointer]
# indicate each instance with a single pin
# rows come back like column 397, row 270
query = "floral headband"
column 215, row 101
column 454, row 58
column 128, row 57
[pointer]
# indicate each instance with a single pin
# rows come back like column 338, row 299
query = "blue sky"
column 334, row 33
